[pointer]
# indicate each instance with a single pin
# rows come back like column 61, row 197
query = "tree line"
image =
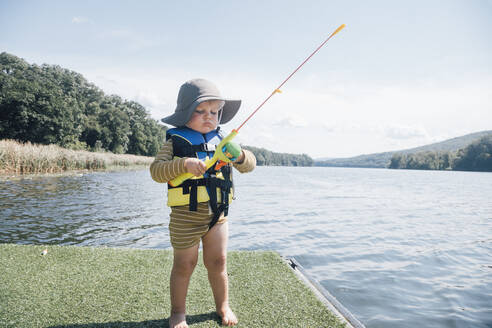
column 475, row 157
column 48, row 104
column 267, row 157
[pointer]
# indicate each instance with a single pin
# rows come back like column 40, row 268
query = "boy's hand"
column 195, row 166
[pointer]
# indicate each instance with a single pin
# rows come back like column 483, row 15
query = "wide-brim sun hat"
column 191, row 94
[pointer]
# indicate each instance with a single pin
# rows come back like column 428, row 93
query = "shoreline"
column 14, row 177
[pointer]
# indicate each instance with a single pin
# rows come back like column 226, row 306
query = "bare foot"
column 228, row 317
column 178, row 320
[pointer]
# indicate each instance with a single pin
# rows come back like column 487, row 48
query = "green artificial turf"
column 82, row 287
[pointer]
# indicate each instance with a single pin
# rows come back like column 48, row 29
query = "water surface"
column 398, row 248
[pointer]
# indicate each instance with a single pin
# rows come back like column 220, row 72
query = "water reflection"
column 112, row 209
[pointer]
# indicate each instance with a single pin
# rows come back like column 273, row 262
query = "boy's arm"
column 248, row 164
column 164, row 167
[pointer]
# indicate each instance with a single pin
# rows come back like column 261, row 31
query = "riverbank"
column 81, row 287
column 25, row 158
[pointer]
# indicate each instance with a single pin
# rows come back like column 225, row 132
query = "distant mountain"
column 381, row 160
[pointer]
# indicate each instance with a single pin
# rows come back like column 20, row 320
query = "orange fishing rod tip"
column 338, row 30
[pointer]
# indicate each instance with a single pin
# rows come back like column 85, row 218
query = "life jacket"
column 213, row 186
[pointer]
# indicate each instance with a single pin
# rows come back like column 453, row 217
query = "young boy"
column 199, row 205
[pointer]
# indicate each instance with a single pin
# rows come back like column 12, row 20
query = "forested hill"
column 382, row 160
column 477, row 156
column 48, row 104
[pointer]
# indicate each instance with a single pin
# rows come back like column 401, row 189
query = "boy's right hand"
column 195, row 166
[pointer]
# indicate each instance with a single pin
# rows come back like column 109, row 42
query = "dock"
column 95, row 287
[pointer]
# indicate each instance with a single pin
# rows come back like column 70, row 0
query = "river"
column 398, row 248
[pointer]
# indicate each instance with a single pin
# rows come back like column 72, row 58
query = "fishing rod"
column 219, row 154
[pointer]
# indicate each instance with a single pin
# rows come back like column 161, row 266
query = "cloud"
column 80, row 20
column 157, row 105
column 291, row 121
column 328, row 127
column 105, row 81
column 405, row 132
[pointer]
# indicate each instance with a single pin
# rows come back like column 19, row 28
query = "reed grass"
column 27, row 158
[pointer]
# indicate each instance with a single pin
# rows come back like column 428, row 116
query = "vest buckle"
column 208, row 147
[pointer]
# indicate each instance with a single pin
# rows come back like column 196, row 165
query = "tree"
column 49, row 104
column 475, row 157
column 266, row 157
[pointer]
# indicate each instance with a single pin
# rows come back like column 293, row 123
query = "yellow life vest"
column 190, row 143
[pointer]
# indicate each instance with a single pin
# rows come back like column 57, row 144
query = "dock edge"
column 324, row 296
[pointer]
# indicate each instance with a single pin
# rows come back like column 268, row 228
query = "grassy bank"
column 19, row 158
column 81, row 287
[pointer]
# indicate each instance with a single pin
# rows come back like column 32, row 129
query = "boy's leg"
column 215, row 260
column 183, row 265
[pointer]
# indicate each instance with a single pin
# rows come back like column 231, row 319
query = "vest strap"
column 225, row 187
column 204, row 147
column 190, row 187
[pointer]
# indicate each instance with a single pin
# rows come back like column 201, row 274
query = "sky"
column 401, row 74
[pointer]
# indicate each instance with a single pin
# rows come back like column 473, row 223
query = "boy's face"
column 206, row 116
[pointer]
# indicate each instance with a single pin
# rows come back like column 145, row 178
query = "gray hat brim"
column 180, row 118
